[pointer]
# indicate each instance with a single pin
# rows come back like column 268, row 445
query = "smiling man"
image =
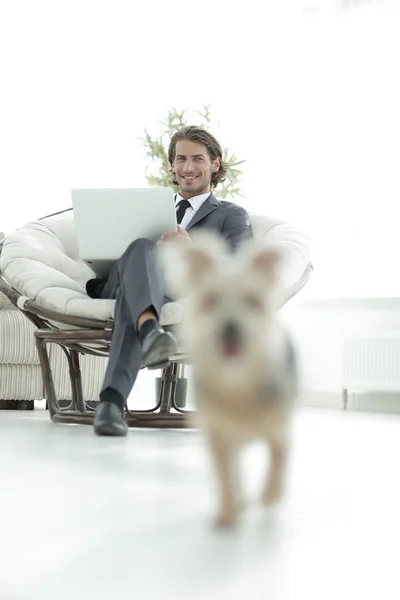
column 136, row 282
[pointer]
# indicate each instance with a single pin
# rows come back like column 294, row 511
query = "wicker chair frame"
column 92, row 336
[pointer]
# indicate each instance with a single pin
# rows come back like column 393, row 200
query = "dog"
column 244, row 367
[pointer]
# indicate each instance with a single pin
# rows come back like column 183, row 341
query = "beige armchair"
column 43, row 276
column 21, row 383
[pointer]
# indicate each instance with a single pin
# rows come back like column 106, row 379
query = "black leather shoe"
column 157, row 347
column 109, row 420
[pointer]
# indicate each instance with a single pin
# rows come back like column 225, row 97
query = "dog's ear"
column 185, row 265
column 198, row 261
column 268, row 261
column 264, row 260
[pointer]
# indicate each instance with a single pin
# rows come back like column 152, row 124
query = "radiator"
column 372, row 363
column 354, row 3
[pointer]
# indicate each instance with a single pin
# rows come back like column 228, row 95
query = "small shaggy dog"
column 243, row 361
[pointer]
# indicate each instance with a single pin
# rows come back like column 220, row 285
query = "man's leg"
column 137, row 285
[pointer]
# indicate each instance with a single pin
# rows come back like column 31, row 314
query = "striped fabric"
column 24, row 382
column 17, row 345
column 20, row 374
column 21, row 382
column 92, row 368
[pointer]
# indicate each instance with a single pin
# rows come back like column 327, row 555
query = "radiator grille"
column 373, row 363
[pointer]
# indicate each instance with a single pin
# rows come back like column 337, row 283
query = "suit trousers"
column 136, row 283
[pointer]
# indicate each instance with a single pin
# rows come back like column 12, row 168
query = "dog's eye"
column 253, row 302
column 209, row 301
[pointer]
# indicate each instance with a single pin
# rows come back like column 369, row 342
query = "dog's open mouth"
column 231, row 340
column 231, row 349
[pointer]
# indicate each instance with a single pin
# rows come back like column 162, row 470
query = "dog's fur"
column 244, row 368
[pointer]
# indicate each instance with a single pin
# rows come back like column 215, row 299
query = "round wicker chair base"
column 156, row 420
column 91, row 336
column 166, row 413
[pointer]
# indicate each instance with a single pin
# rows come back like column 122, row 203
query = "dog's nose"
column 231, row 333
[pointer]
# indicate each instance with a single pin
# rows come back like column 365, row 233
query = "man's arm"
column 237, row 226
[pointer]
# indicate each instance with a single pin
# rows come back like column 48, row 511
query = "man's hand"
column 180, row 236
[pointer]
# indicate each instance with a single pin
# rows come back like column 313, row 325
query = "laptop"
column 108, row 220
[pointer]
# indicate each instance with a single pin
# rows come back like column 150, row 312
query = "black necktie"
column 183, row 205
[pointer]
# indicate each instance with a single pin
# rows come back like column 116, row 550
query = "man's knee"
column 140, row 245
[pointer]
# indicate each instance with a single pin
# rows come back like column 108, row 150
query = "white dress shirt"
column 195, row 204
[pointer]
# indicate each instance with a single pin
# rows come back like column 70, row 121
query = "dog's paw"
column 225, row 520
column 272, row 495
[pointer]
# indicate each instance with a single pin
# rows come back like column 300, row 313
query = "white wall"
column 304, row 90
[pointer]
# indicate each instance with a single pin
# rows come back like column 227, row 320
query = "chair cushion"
column 41, row 261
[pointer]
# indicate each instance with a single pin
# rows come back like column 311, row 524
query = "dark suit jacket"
column 228, row 219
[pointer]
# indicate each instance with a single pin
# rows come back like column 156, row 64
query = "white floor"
column 87, row 517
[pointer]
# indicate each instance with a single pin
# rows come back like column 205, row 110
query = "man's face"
column 193, row 168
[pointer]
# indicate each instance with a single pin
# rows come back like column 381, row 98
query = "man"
column 136, row 282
